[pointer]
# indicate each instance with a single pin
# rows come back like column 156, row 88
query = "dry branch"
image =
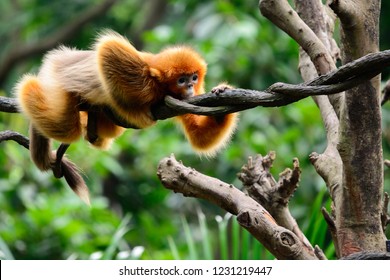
column 385, row 217
column 273, row 195
column 281, row 242
column 386, row 93
column 321, row 21
column 283, row 16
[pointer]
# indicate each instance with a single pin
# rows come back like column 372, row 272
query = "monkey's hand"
column 221, row 88
column 217, row 90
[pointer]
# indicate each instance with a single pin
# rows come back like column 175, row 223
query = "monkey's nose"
column 190, row 91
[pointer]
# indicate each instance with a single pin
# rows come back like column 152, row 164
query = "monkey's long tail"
column 46, row 159
column 75, row 181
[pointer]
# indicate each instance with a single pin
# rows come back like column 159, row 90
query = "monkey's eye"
column 181, row 81
column 195, row 77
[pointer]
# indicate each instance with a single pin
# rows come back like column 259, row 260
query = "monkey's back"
column 73, row 71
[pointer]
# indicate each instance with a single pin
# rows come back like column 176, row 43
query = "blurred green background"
column 132, row 215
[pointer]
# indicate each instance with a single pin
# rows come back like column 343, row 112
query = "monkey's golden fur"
column 128, row 81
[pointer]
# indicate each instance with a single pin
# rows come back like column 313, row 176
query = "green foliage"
column 231, row 242
column 315, row 228
column 42, row 219
column 55, row 225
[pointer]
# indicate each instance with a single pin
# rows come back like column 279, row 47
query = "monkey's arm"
column 126, row 77
column 208, row 134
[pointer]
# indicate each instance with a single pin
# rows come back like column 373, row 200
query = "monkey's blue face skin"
column 186, row 85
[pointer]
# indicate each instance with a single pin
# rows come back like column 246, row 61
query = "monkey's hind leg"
column 40, row 150
column 99, row 130
column 52, row 111
column 53, row 115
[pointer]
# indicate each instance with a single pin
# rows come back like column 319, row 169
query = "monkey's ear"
column 155, row 73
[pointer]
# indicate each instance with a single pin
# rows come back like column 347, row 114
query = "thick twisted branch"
column 234, row 100
column 276, row 95
column 309, row 34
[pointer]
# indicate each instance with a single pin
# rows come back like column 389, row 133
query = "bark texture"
column 358, row 223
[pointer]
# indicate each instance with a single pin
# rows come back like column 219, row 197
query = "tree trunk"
column 358, row 223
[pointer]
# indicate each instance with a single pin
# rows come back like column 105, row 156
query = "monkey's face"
column 185, row 86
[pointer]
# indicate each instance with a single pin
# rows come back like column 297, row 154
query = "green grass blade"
column 246, row 237
column 5, row 252
column 190, row 240
column 206, row 237
column 222, row 233
column 312, row 229
column 330, row 251
column 122, row 229
column 257, row 249
column 173, row 248
column 235, row 240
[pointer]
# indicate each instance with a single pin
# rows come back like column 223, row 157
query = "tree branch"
column 283, row 16
column 327, row 164
column 385, row 217
column 273, row 195
column 234, row 100
column 8, row 105
column 386, row 93
column 19, row 138
column 282, row 243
